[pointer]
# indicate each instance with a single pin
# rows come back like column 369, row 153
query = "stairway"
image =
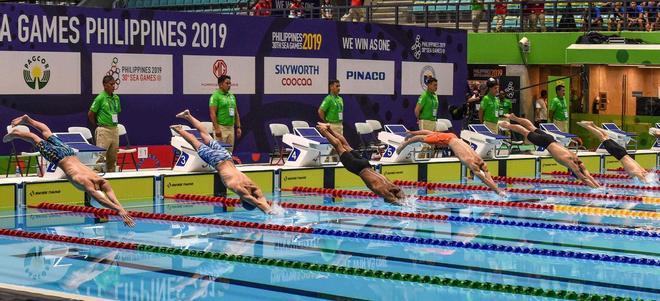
column 387, row 15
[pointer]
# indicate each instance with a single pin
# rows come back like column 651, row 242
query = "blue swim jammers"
column 214, row 153
column 54, row 150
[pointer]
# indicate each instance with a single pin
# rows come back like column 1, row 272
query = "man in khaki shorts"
column 426, row 110
column 104, row 116
column 224, row 113
column 331, row 110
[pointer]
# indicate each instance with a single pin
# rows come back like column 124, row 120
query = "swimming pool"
column 450, row 248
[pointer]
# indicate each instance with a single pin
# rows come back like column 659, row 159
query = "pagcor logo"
column 365, row 75
column 296, row 81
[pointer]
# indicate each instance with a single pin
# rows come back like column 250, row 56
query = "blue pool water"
column 133, row 275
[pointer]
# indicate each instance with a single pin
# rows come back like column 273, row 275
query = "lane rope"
column 323, row 268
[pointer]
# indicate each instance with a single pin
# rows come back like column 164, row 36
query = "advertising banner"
column 201, row 72
column 134, row 73
column 415, row 74
column 38, row 73
column 290, row 75
column 366, row 76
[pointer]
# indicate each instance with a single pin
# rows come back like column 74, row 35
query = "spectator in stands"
column 652, row 19
column 594, row 16
column 636, row 16
column 355, row 13
column 477, row 14
column 535, row 12
column 224, row 113
column 616, row 18
column 104, row 116
column 295, row 9
column 262, row 8
column 567, row 19
column 490, row 106
column 541, row 109
column 500, row 14
column 326, row 10
column 559, row 109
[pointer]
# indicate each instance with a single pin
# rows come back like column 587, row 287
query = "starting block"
column 393, row 136
column 619, row 136
column 562, row 138
column 189, row 160
column 652, row 131
column 87, row 153
column 309, row 147
column 484, row 142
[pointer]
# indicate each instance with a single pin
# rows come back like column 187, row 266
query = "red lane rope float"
column 588, row 210
column 439, row 199
column 175, row 218
column 70, row 239
column 623, row 170
column 334, row 209
column 609, row 197
column 511, row 180
column 158, row 217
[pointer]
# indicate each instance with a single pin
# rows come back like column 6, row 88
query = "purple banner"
column 53, row 59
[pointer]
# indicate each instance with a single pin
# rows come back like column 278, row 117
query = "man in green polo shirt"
column 331, row 110
column 426, row 110
column 104, row 116
column 224, row 113
column 558, row 108
column 490, row 106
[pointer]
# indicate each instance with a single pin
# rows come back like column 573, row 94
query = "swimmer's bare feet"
column 585, row 123
column 177, row 128
column 25, row 119
column 10, row 136
column 184, row 115
column 504, row 125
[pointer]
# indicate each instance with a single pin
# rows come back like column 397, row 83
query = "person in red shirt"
column 355, row 13
column 262, row 8
column 500, row 14
column 535, row 12
column 295, row 9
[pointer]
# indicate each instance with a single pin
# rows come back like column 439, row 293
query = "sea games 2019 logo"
column 420, row 47
column 114, row 72
column 36, row 72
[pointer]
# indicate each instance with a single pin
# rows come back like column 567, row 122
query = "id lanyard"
column 435, row 106
column 114, row 107
column 340, row 108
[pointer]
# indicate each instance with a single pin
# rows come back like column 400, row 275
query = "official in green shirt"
column 104, row 116
column 332, row 108
column 490, row 106
column 224, row 113
column 426, row 110
column 505, row 104
column 558, row 108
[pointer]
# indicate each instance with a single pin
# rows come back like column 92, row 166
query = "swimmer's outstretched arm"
column 418, row 138
column 420, row 132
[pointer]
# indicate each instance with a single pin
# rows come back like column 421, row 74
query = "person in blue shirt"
column 636, row 16
column 595, row 16
column 616, row 17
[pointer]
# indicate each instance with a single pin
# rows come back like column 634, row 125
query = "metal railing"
column 561, row 15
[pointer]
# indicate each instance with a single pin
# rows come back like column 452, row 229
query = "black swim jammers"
column 616, row 150
column 354, row 162
column 540, row 138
